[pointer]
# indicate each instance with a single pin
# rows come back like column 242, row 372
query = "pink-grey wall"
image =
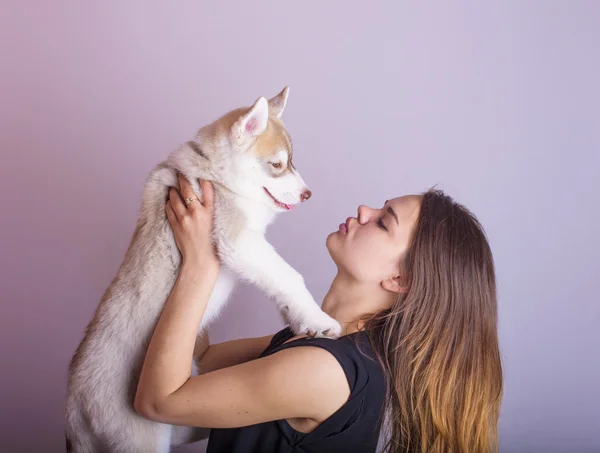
column 498, row 104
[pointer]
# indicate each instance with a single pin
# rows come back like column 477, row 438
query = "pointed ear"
column 394, row 284
column 252, row 123
column 277, row 103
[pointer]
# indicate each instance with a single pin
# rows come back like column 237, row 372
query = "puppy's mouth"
column 287, row 207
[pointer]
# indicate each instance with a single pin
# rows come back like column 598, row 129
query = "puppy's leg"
column 78, row 436
column 254, row 259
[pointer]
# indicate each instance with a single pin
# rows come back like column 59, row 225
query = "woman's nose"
column 363, row 214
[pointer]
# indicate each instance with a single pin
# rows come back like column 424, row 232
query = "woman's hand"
column 193, row 224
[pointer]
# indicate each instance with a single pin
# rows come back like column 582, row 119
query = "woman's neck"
column 347, row 301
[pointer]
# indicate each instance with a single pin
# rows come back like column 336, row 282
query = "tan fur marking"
column 273, row 140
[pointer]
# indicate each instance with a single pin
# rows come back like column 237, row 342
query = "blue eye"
column 380, row 224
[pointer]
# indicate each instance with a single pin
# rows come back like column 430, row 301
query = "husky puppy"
column 247, row 154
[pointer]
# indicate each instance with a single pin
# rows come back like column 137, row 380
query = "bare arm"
column 301, row 382
column 222, row 355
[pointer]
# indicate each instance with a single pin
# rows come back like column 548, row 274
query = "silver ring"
column 190, row 200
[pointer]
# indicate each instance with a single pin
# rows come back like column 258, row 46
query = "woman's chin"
column 330, row 241
column 333, row 246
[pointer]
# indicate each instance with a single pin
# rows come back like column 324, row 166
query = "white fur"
column 287, row 188
column 282, row 157
column 105, row 368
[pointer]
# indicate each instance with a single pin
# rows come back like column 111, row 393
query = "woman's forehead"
column 406, row 206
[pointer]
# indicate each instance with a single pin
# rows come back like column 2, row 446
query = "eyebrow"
column 391, row 211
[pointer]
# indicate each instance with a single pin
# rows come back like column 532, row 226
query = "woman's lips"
column 344, row 227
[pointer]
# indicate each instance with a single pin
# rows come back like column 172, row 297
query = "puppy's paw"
column 316, row 324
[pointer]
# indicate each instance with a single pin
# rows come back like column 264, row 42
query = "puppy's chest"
column 234, row 216
column 257, row 217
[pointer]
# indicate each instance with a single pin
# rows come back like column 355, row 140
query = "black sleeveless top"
column 354, row 428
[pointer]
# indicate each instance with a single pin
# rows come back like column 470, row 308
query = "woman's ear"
column 395, row 285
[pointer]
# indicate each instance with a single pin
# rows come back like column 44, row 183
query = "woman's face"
column 369, row 247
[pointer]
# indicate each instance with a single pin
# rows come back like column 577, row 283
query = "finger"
column 170, row 213
column 177, row 203
column 208, row 193
column 185, row 187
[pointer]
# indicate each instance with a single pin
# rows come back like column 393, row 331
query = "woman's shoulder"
column 348, row 379
column 353, row 353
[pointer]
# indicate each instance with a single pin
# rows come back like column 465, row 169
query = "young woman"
column 415, row 294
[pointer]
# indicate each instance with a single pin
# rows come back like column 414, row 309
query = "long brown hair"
column 438, row 344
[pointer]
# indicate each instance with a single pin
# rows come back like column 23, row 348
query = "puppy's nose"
column 305, row 195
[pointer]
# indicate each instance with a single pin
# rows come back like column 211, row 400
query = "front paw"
column 315, row 323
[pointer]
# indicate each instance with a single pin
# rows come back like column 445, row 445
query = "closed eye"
column 380, row 224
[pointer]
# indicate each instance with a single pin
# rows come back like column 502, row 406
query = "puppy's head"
column 259, row 154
